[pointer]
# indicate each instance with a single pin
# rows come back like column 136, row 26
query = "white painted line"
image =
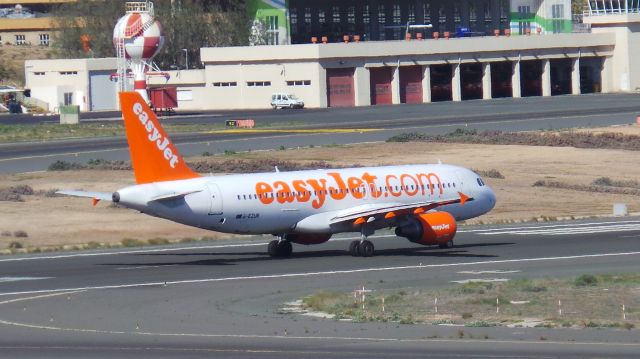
column 313, row 274
column 160, row 250
column 565, row 231
column 478, row 272
column 145, row 267
column 477, row 280
column 532, row 227
column 19, row 279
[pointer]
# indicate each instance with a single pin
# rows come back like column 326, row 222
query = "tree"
column 187, row 24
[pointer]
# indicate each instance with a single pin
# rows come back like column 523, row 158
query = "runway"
column 381, row 122
column 224, row 298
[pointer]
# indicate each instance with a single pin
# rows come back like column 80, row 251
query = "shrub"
column 131, row 242
column 586, row 280
column 158, row 241
column 467, row 315
column 65, row 166
column 15, row 245
column 20, row 234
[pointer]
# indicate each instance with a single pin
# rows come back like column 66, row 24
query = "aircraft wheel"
column 272, row 249
column 449, row 244
column 285, row 249
column 366, row 249
column 354, row 248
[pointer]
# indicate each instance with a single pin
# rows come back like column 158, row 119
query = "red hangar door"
column 340, row 91
column 381, row 85
column 411, row 84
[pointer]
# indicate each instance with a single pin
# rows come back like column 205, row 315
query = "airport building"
column 27, row 22
column 415, row 69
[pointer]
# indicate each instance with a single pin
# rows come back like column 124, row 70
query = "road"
column 500, row 114
column 224, row 298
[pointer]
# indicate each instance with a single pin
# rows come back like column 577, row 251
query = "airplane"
column 423, row 202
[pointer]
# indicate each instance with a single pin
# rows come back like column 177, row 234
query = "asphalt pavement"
column 226, row 297
column 385, row 121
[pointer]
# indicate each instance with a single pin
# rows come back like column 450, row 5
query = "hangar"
column 412, row 70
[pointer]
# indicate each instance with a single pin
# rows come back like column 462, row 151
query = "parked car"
column 285, row 100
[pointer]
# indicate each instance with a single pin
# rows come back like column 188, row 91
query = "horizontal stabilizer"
column 103, row 196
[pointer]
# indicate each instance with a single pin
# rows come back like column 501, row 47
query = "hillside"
column 12, row 60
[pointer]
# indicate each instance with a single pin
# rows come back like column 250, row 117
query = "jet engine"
column 429, row 228
column 308, row 238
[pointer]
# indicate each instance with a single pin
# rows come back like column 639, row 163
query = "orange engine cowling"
column 308, row 238
column 429, row 228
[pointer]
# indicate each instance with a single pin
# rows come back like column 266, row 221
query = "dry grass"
column 585, row 301
column 12, row 60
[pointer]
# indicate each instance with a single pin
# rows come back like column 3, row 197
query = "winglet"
column 153, row 155
column 463, row 198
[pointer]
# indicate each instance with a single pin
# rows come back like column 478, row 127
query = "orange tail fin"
column 153, row 156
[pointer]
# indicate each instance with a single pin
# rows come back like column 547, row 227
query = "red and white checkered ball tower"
column 137, row 37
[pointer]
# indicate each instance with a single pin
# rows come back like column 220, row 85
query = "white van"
column 285, row 100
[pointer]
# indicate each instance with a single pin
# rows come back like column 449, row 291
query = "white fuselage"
column 278, row 202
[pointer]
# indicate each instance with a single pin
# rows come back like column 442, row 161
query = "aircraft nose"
column 491, row 198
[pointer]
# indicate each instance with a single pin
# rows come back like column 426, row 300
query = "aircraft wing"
column 324, row 221
column 361, row 214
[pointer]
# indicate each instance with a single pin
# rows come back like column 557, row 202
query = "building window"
column 38, row 73
column 524, row 15
column 258, row 83
column 20, row 40
column 335, row 14
column 365, row 14
column 307, row 15
column 472, row 15
column 294, row 17
column 456, row 13
column 412, row 13
column 557, row 14
column 382, row 19
column 68, row 73
column 299, row 83
column 321, row 17
column 487, row 12
column 396, row 14
column 225, row 84
column 68, row 98
column 351, row 14
column 273, row 32
column 44, row 39
column 427, row 13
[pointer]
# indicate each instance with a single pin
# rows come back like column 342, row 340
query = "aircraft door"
column 216, row 199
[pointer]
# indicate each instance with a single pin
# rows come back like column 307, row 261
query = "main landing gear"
column 446, row 245
column 280, row 248
column 362, row 248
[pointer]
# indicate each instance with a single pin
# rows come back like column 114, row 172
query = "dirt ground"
column 57, row 221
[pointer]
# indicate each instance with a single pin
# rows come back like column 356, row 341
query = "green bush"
column 586, row 280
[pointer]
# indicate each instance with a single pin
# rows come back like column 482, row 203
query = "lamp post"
column 186, row 58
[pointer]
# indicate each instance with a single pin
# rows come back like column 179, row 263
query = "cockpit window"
column 480, row 182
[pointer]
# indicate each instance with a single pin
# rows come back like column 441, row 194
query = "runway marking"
column 318, row 338
column 313, row 274
column 145, row 267
column 478, row 272
column 160, row 250
column 478, row 280
column 565, row 231
column 548, row 226
column 312, row 131
column 19, row 279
